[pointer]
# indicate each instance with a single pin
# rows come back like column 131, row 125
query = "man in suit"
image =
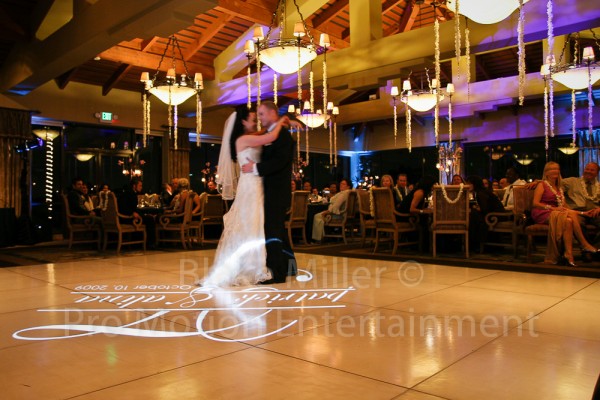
column 276, row 169
column 402, row 185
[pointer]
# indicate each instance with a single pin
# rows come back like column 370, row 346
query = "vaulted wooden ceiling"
column 211, row 33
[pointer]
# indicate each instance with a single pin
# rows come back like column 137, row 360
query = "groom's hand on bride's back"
column 248, row 167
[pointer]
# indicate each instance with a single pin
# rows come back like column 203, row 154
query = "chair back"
column 351, row 205
column 363, row 199
column 383, row 207
column 299, row 209
column 110, row 216
column 214, row 208
column 67, row 211
column 451, row 213
column 522, row 200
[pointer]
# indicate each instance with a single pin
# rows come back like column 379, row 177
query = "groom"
column 276, row 169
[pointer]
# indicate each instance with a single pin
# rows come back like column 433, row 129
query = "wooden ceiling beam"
column 205, row 37
column 246, row 11
column 151, row 61
column 146, row 44
column 330, row 13
column 115, row 78
column 65, row 78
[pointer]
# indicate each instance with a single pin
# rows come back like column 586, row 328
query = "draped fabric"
column 15, row 128
column 179, row 159
column 556, row 222
column 589, row 147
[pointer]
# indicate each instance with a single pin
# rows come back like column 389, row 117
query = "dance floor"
column 136, row 327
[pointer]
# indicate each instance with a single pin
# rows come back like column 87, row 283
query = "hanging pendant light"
column 485, row 11
column 172, row 91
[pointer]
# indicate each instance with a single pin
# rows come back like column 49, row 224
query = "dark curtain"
column 15, row 129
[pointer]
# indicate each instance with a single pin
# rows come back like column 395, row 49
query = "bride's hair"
column 242, row 113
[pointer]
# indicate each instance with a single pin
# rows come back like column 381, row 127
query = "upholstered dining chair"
column 450, row 214
column 386, row 221
column 297, row 214
column 340, row 227
column 175, row 228
column 81, row 228
column 127, row 233
column 367, row 223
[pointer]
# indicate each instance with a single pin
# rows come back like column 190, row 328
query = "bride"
column 240, row 259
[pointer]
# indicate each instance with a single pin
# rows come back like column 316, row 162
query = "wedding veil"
column 228, row 169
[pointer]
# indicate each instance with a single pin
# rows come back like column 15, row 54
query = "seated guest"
column 551, row 208
column 495, row 185
column 415, row 201
column 211, row 187
column 128, row 203
column 583, row 193
column 182, row 196
column 457, row 180
column 337, row 206
column 402, row 185
column 512, row 178
column 485, row 202
column 387, row 182
column 88, row 203
column 486, row 183
column 76, row 199
column 314, row 197
column 332, row 191
column 167, row 194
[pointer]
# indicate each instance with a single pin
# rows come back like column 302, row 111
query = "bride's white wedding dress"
column 240, row 259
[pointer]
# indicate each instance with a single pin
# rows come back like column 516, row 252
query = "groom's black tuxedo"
column 276, row 169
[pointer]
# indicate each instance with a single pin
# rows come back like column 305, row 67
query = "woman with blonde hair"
column 550, row 208
column 388, row 182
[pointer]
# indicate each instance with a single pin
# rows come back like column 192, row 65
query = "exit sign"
column 106, row 116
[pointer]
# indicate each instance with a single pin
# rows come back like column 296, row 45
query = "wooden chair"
column 214, row 209
column 386, row 220
column 450, row 218
column 367, row 223
column 297, row 214
column 500, row 223
column 523, row 202
column 175, row 228
column 81, row 228
column 195, row 231
column 111, row 219
column 336, row 227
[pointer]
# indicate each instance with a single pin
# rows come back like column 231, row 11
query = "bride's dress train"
column 240, row 259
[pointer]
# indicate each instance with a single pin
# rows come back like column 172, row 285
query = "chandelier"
column 484, row 11
column 284, row 55
column 423, row 99
column 576, row 75
column 172, row 91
